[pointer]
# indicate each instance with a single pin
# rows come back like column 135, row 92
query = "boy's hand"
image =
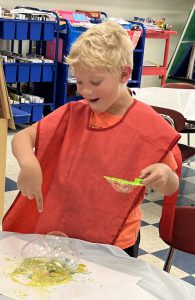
column 30, row 182
column 160, row 177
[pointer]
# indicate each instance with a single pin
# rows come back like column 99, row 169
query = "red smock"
column 74, row 158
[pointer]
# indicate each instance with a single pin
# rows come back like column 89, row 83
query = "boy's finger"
column 39, row 200
column 148, row 181
column 146, row 172
column 30, row 196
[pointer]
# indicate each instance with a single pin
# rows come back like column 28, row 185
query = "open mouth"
column 93, row 100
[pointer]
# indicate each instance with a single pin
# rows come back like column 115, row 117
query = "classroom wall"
column 175, row 11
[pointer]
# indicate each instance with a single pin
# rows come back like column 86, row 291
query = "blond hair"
column 105, row 45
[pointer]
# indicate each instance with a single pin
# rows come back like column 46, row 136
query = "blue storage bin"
column 34, row 30
column 47, row 72
column 75, row 32
column 10, row 70
column 35, row 72
column 23, row 72
column 48, row 29
column 20, row 116
column 7, row 29
column 21, row 30
column 37, row 112
column 127, row 26
column 27, row 107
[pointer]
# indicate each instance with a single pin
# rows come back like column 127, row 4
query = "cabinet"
column 35, row 34
column 159, row 70
column 66, row 85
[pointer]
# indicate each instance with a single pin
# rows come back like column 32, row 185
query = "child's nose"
column 85, row 92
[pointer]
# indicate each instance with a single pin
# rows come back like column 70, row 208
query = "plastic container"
column 34, row 30
column 37, row 112
column 7, row 29
column 127, row 26
column 27, row 107
column 35, row 72
column 21, row 30
column 10, row 70
column 48, row 29
column 23, row 72
column 47, row 72
column 20, row 116
column 74, row 33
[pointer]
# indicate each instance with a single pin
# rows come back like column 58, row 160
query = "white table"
column 159, row 283
column 182, row 100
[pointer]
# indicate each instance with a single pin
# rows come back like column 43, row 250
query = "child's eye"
column 96, row 82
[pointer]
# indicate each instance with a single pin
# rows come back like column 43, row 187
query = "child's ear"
column 125, row 74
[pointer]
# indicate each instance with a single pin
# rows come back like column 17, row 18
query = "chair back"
column 183, row 237
column 177, row 120
column 177, row 117
column 178, row 85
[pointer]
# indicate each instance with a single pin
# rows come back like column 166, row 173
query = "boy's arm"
column 23, row 144
column 30, row 176
column 161, row 178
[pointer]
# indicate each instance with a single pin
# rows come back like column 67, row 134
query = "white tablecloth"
column 182, row 100
column 159, row 283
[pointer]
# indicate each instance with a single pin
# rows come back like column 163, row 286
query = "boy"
column 108, row 133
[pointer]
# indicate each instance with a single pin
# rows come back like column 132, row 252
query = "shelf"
column 151, row 70
column 37, row 32
column 159, row 70
column 159, row 34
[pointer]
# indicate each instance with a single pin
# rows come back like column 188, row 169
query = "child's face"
column 102, row 90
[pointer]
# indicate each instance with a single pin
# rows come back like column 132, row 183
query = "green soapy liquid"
column 40, row 272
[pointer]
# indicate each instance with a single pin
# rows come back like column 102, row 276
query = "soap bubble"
column 47, row 260
column 55, row 245
column 35, row 248
column 63, row 249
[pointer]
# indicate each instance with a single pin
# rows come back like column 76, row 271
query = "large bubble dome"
column 47, row 260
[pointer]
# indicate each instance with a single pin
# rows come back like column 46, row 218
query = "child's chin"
column 97, row 110
column 95, row 107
